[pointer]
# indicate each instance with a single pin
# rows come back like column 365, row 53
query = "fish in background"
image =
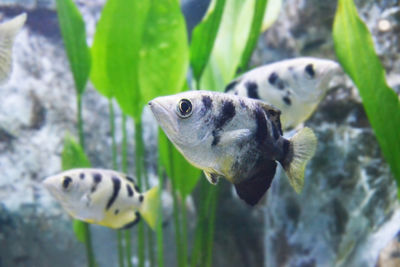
column 103, row 197
column 295, row 86
column 235, row 137
column 8, row 31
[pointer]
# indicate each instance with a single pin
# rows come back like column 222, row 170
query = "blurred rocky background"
column 347, row 215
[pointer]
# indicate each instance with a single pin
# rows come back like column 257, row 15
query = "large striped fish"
column 8, row 31
column 104, row 197
column 235, row 137
column 295, row 86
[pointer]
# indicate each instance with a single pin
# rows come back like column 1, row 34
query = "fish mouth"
column 164, row 116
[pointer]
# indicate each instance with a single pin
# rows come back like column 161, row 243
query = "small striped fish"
column 104, row 197
column 235, row 137
column 8, row 31
column 295, row 86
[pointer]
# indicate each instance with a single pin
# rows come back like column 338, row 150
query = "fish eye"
column 66, row 183
column 184, row 108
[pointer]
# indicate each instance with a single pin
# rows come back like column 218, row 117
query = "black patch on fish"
column 280, row 84
column 129, row 190
column 82, row 176
column 66, row 182
column 116, row 211
column 287, row 100
column 262, row 127
column 231, row 85
column 207, row 101
column 132, row 223
column 251, row 190
column 275, row 131
column 309, row 69
column 137, row 188
column 216, row 138
column 96, row 181
column 273, row 77
column 116, row 187
column 227, row 113
column 130, row 179
column 252, row 90
column 141, row 198
column 287, row 155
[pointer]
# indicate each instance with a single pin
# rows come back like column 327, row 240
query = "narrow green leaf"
column 259, row 10
column 271, row 13
column 185, row 176
column 355, row 50
column 164, row 54
column 74, row 36
column 123, row 42
column 203, row 37
column 74, row 157
column 98, row 74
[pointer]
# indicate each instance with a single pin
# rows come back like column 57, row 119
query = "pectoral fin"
column 251, row 190
column 213, row 178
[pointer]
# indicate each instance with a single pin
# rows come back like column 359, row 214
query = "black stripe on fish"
column 287, row 155
column 66, row 182
column 275, row 131
column 137, row 188
column 309, row 69
column 252, row 90
column 252, row 189
column 96, row 181
column 132, row 223
column 287, row 100
column 262, row 127
column 141, row 198
column 130, row 179
column 227, row 113
column 231, row 85
column 116, row 187
column 129, row 190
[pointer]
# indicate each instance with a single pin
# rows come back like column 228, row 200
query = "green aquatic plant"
column 74, row 36
column 355, row 50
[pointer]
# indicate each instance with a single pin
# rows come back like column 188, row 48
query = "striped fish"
column 295, row 86
column 8, row 31
column 104, row 197
column 235, row 137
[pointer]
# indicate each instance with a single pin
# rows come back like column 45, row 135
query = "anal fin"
column 252, row 189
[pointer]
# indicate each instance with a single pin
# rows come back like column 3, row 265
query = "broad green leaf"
column 255, row 29
column 164, row 53
column 183, row 174
column 123, row 43
column 203, row 37
column 355, row 50
column 72, row 157
column 271, row 13
column 74, row 36
column 98, row 73
column 231, row 40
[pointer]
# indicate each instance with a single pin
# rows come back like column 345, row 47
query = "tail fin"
column 302, row 148
column 150, row 208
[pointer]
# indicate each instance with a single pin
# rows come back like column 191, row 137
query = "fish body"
column 104, row 197
column 295, row 86
column 233, row 137
column 8, row 31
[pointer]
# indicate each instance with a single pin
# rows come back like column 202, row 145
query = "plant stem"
column 178, row 237
column 139, row 151
column 115, row 167
column 211, row 228
column 88, row 237
column 127, row 233
column 184, row 231
column 160, row 247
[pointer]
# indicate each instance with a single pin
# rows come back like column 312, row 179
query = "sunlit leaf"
column 355, row 50
column 184, row 175
column 74, row 36
column 123, row 42
column 164, row 53
column 203, row 37
column 271, row 14
column 255, row 29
